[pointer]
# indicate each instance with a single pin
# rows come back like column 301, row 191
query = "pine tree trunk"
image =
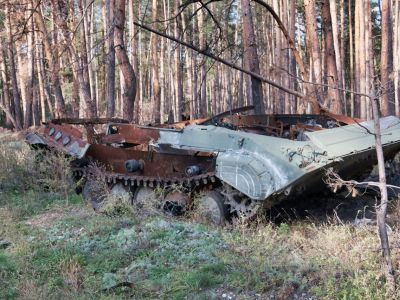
column 313, row 44
column 90, row 35
column 342, row 54
column 129, row 76
column 251, row 57
column 332, row 93
column 44, row 81
column 13, row 72
column 337, row 53
column 203, row 71
column 292, row 61
column 396, row 55
column 29, row 82
column 178, row 66
column 154, row 69
column 54, row 67
column 110, row 57
column 387, row 99
column 7, row 104
column 83, row 68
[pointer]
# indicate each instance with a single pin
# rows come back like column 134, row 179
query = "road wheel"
column 212, row 207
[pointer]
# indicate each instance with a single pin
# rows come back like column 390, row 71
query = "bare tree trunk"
column 154, row 69
column 36, row 98
column 110, row 57
column 342, row 54
column 79, row 62
column 370, row 58
column 124, row 64
column 59, row 109
column 292, row 61
column 90, row 34
column 203, row 72
column 360, row 52
column 44, row 83
column 396, row 55
column 83, row 69
column 178, row 66
column 29, row 76
column 381, row 209
column 337, row 53
column 13, row 72
column 188, row 61
column 251, row 57
column 387, row 99
column 351, row 54
column 332, row 95
column 313, row 44
column 135, row 45
column 216, row 91
column 7, row 107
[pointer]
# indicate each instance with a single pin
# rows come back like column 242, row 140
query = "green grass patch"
column 8, row 276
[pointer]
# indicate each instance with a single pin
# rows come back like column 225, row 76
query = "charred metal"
column 236, row 161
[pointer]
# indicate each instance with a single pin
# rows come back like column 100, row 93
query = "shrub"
column 23, row 169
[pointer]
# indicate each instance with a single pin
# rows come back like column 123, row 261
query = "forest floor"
column 52, row 246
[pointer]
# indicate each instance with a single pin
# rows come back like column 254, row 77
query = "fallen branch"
column 335, row 182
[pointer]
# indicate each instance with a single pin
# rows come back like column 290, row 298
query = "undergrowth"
column 61, row 249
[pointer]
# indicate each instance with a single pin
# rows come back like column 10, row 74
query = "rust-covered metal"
column 247, row 159
column 66, row 138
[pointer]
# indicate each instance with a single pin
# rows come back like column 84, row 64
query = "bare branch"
column 221, row 60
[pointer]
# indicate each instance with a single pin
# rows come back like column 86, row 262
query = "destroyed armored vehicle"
column 232, row 163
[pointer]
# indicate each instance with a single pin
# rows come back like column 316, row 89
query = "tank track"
column 152, row 182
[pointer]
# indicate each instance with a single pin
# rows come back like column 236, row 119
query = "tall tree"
column 53, row 61
column 110, row 56
column 332, row 93
column 251, row 61
column 79, row 55
column 88, row 105
column 387, row 98
column 13, row 71
column 30, row 69
column 313, row 44
column 396, row 55
column 154, row 68
column 337, row 45
column 203, row 110
column 125, row 66
column 180, row 105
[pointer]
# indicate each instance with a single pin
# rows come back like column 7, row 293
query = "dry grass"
column 330, row 261
column 23, row 168
column 65, row 251
column 71, row 272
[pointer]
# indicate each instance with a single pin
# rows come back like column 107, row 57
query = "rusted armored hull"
column 247, row 159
